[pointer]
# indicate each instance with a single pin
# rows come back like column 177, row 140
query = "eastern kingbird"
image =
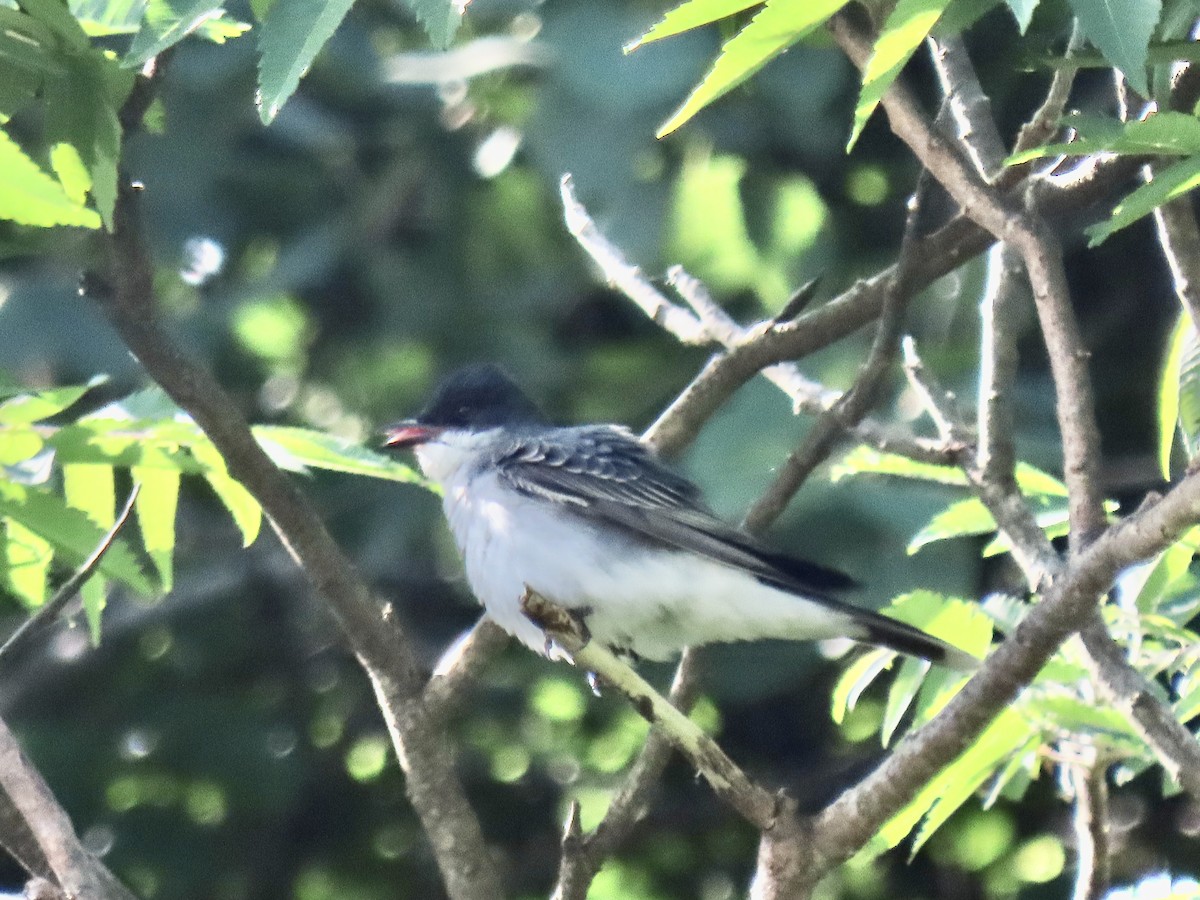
column 590, row 518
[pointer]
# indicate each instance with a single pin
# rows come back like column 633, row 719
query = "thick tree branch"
column 39, row 833
column 969, row 106
column 423, row 749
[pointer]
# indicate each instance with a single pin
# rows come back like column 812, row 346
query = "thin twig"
column 1090, row 824
column 969, row 105
column 854, row 404
column 753, row 802
column 49, row 611
column 1041, row 253
column 996, row 458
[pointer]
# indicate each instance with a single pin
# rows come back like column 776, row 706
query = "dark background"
column 222, row 744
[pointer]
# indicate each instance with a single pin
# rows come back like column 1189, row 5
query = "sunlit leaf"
column 18, row 445
column 907, row 26
column 1121, row 30
column 26, row 562
column 778, row 25
column 29, row 196
column 242, row 506
column 689, row 15
column 1167, row 184
column 72, row 533
column 857, row 677
column 864, row 460
column 1166, row 570
column 1189, row 390
column 1168, row 391
column 960, row 519
column 155, row 506
column 39, row 405
column 298, row 449
column 1164, row 133
column 901, row 694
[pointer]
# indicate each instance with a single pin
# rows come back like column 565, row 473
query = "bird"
column 592, row 519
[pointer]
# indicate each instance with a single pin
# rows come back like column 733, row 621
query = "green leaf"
column 1037, row 483
column 439, row 18
column 1163, row 133
column 102, row 18
column 55, row 15
column 298, row 449
column 689, row 15
column 155, row 506
column 961, row 15
column 91, row 489
column 1189, row 390
column 1174, row 181
column 864, row 460
column 29, row 196
column 857, row 678
column 900, row 696
column 81, row 110
column 964, row 518
column 28, row 408
column 1168, row 392
column 778, row 25
column 907, row 26
column 167, row 22
column 26, row 563
column 1022, row 11
column 18, row 445
column 242, row 506
column 290, row 38
column 1121, row 30
column 72, row 173
column 1167, row 569
column 72, row 533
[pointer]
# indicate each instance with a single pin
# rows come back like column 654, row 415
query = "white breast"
column 650, row 601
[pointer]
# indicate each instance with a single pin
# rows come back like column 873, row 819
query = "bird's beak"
column 409, row 433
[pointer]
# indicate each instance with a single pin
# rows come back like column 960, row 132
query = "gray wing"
column 619, row 481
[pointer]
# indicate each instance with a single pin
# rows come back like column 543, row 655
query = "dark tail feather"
column 904, row 638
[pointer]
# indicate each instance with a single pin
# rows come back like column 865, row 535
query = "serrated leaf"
column 947, row 791
column 778, row 25
column 1121, row 30
column 26, row 563
column 864, row 460
column 1174, row 181
column 907, row 26
column 102, row 18
column 1163, row 133
column 298, row 449
column 72, row 533
column 857, row 678
column 242, row 506
column 72, row 173
column 28, row 196
column 91, row 489
column 155, row 506
column 166, row 23
column 439, row 18
column 81, row 110
column 689, row 15
column 34, row 407
column 1022, row 11
column 290, row 38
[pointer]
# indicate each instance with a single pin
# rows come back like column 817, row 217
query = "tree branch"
column 45, row 842
column 1090, row 824
column 754, row 803
column 383, row 650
